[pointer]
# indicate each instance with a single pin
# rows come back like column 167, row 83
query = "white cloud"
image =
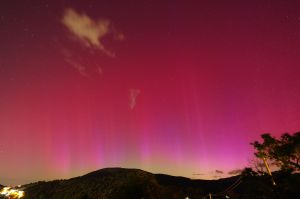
column 133, row 94
column 89, row 31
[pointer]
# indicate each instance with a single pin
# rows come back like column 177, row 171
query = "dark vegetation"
column 124, row 183
column 116, row 183
column 282, row 154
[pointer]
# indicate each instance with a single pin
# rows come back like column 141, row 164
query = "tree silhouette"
column 283, row 151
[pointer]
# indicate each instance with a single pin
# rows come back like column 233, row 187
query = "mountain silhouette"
column 120, row 183
column 114, row 183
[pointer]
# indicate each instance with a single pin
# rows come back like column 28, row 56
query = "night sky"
column 176, row 87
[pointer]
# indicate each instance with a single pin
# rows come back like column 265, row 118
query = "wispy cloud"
column 89, row 31
column 133, row 94
column 235, row 172
column 197, row 174
column 81, row 69
column 68, row 57
column 99, row 70
column 219, row 172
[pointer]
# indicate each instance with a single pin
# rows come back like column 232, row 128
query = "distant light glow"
column 12, row 193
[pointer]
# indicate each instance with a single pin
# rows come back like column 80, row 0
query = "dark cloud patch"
column 219, row 172
column 197, row 174
column 235, row 172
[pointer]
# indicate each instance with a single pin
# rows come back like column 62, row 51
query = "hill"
column 123, row 183
column 119, row 183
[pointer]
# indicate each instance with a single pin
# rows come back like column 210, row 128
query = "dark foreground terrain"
column 117, row 183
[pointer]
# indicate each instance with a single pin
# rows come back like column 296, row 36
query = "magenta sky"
column 165, row 86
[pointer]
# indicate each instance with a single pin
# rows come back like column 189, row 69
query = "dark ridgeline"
column 1, row 197
column 119, row 183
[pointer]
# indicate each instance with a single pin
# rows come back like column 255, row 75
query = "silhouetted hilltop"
column 119, row 183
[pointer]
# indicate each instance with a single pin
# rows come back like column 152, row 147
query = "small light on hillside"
column 11, row 193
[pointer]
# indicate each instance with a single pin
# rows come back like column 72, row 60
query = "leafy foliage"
column 283, row 151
